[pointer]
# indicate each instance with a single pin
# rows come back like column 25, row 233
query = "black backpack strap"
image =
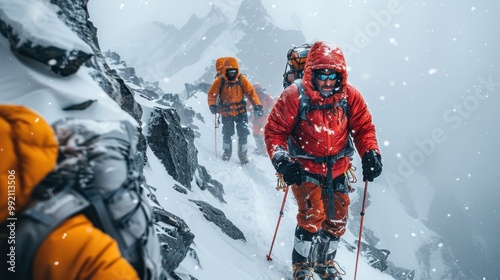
column 344, row 105
column 329, row 188
column 304, row 101
column 37, row 222
column 222, row 83
column 347, row 151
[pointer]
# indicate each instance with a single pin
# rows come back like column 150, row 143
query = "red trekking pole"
column 281, row 185
column 361, row 227
column 216, row 123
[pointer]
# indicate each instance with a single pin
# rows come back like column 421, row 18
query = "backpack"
column 80, row 185
column 296, row 61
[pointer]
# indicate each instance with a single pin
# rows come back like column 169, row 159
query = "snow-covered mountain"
column 224, row 213
column 174, row 56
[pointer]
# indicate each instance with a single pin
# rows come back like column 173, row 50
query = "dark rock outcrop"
column 218, row 217
column 186, row 114
column 180, row 189
column 173, row 145
column 75, row 15
column 175, row 238
column 205, row 181
column 61, row 61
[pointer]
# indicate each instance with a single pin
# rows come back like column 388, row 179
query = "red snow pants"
column 313, row 209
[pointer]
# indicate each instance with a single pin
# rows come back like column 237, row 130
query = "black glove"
column 372, row 165
column 213, row 109
column 291, row 171
column 258, row 110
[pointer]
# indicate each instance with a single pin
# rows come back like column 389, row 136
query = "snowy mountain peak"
column 170, row 55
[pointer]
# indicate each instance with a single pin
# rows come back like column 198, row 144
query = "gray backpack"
column 98, row 174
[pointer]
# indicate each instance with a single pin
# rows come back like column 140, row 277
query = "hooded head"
column 28, row 152
column 324, row 58
column 219, row 65
column 231, row 69
column 258, row 88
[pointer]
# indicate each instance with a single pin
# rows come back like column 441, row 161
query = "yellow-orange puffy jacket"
column 228, row 95
column 76, row 249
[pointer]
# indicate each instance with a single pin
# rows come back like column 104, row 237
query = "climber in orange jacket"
column 226, row 97
column 76, row 249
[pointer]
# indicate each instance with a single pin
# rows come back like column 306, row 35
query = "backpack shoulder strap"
column 344, row 105
column 304, row 101
column 222, row 83
column 38, row 221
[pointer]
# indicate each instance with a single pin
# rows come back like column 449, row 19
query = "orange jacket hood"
column 229, row 63
column 28, row 152
column 219, row 65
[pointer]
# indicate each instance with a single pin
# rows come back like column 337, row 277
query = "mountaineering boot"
column 323, row 255
column 328, row 271
column 301, row 253
column 259, row 142
column 228, row 150
column 242, row 153
column 302, row 271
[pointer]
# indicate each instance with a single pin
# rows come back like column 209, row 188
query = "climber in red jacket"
column 309, row 138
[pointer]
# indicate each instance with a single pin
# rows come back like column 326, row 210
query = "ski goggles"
column 231, row 72
column 324, row 77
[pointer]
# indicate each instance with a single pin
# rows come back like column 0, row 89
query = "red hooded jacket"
column 267, row 102
column 326, row 132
